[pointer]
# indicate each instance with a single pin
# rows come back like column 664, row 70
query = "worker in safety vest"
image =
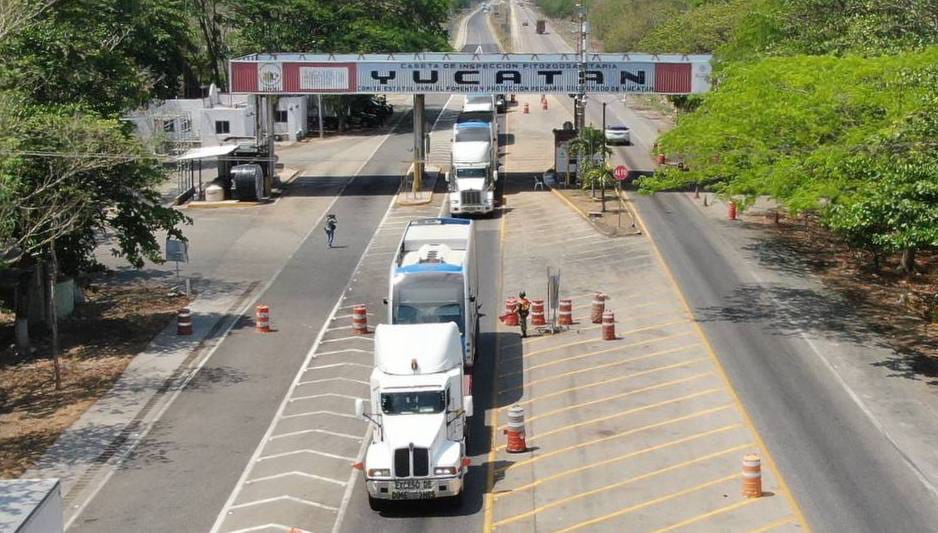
column 523, row 307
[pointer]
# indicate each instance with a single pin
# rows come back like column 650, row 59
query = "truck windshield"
column 413, row 402
column 429, row 298
column 472, row 135
column 471, row 172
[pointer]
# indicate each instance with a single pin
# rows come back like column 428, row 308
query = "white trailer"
column 434, row 278
column 419, row 410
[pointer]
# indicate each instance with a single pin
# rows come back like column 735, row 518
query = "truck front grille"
column 402, row 462
column 471, row 197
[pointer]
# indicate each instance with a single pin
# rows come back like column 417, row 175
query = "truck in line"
column 541, row 27
column 474, row 158
column 434, row 279
column 420, row 407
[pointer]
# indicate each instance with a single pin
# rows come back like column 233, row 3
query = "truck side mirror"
column 359, row 408
column 385, row 300
column 467, row 405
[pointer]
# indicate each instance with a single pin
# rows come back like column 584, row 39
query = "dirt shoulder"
column 97, row 342
column 616, row 221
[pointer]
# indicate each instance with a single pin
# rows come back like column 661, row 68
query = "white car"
column 618, row 135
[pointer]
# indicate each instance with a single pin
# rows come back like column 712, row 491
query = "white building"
column 215, row 120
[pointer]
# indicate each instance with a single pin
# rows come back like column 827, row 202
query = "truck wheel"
column 454, row 502
column 377, row 504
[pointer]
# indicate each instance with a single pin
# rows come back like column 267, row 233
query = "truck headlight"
column 379, row 472
column 444, row 471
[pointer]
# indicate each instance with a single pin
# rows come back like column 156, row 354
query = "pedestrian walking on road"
column 331, row 223
column 523, row 307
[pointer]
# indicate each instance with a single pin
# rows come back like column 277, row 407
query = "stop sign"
column 621, row 172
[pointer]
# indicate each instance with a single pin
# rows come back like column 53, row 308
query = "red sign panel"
column 673, row 78
column 621, row 172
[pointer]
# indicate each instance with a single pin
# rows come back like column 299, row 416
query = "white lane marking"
column 300, row 452
column 337, row 328
column 347, row 350
column 340, row 317
column 316, row 430
column 326, row 395
column 333, row 365
column 320, row 412
column 328, row 380
column 256, row 456
column 269, row 526
column 351, row 338
column 285, row 498
column 296, row 473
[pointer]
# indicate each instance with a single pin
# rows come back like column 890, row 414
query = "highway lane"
column 180, row 474
column 418, row 517
column 844, row 473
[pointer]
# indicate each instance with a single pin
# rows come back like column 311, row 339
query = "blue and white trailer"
column 434, row 278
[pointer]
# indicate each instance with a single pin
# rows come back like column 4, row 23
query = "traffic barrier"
column 526, row 108
column 752, row 476
column 731, row 211
column 609, row 326
column 662, row 159
column 599, row 305
column 537, row 312
column 360, row 320
column 543, row 98
column 544, row 104
column 262, row 316
column 513, row 99
column 510, row 317
column 515, row 430
column 565, row 313
column 184, row 322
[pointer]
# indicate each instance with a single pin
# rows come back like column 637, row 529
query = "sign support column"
column 419, row 147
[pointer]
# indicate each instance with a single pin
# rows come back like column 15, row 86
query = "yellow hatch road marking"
column 698, row 518
column 619, row 458
column 770, row 461
column 613, row 397
column 619, row 414
column 601, row 367
column 621, row 434
column 648, row 503
column 618, row 484
column 598, row 352
column 773, row 525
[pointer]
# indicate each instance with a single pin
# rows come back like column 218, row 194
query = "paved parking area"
column 301, row 472
column 642, row 433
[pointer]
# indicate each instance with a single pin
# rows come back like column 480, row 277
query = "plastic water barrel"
column 248, row 182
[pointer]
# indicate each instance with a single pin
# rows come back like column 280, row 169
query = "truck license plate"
column 413, row 484
column 411, row 494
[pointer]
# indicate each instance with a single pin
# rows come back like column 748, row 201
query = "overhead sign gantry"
column 467, row 73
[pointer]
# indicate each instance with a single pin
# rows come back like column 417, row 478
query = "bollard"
column 537, row 313
column 705, row 200
column 360, row 320
column 662, row 159
column 565, row 313
column 544, row 104
column 184, row 322
column 515, row 430
column 752, row 476
column 262, row 322
column 513, row 99
column 526, row 108
column 599, row 305
column 731, row 211
column 609, row 326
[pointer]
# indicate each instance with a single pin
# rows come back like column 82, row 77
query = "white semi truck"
column 474, row 158
column 419, row 411
column 434, row 278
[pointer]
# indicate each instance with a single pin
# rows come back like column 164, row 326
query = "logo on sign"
column 270, row 77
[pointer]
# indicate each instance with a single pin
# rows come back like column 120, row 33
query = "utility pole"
column 579, row 107
column 602, row 184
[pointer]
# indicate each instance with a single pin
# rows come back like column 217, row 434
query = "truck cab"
column 419, row 410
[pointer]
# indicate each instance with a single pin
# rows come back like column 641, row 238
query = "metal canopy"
column 469, row 73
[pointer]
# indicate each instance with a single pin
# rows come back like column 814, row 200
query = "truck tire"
column 455, row 502
column 377, row 504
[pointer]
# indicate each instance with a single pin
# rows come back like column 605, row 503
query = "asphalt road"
column 178, row 477
column 412, row 517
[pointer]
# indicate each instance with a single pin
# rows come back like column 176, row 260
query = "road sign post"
column 178, row 252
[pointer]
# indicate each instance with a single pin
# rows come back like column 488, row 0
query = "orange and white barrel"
column 537, row 312
column 752, row 476
column 262, row 319
column 184, row 322
column 596, row 310
column 360, row 320
column 565, row 313
column 609, row 326
column 510, row 317
column 515, row 430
